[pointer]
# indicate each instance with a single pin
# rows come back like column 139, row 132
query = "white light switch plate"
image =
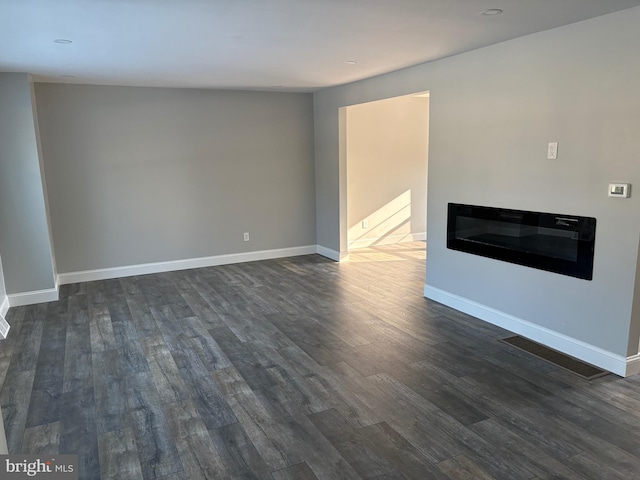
column 552, row 151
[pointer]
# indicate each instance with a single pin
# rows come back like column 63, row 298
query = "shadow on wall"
column 391, row 223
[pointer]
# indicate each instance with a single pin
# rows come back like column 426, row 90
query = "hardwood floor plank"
column 241, row 355
column 289, row 383
column 462, row 468
column 374, row 451
column 231, row 382
column 211, row 404
column 301, row 471
column 25, row 355
column 441, row 396
column 141, row 316
column 299, row 368
column 101, row 329
column 42, row 440
column 78, row 433
column 538, row 428
column 239, row 455
column 124, row 328
column 198, row 305
column 46, row 393
column 324, row 347
column 615, row 394
column 329, row 387
column 200, row 340
column 110, row 392
column 166, row 376
column 78, row 371
column 557, row 436
column 132, row 356
column 157, row 449
column 169, row 325
column 403, row 412
column 15, row 395
column 15, row 317
column 517, row 450
column 592, row 468
column 302, row 437
column 119, row 455
column 197, row 451
column 263, row 431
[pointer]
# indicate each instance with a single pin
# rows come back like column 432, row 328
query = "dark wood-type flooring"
column 296, row 369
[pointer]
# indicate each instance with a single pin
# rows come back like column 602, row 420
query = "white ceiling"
column 260, row 44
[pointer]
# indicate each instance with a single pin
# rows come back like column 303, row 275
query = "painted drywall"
column 140, row 175
column 387, row 150
column 43, row 176
column 492, row 113
column 24, row 236
column 634, row 332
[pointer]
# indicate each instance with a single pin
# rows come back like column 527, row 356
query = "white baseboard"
column 584, row 351
column 388, row 240
column 159, row 267
column 29, row 298
column 4, row 325
column 633, row 365
column 4, row 306
column 332, row 254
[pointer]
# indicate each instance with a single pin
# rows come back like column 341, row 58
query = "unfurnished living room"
column 314, row 239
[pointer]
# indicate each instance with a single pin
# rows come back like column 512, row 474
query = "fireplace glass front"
column 554, row 242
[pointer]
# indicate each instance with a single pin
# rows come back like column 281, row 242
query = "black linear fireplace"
column 548, row 241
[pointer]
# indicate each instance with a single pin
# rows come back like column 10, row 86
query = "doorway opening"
column 383, row 180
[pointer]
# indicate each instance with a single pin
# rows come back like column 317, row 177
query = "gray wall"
column 139, row 175
column 24, row 236
column 493, row 111
column 387, row 149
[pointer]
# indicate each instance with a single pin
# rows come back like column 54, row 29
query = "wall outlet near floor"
column 365, row 224
column 246, row 236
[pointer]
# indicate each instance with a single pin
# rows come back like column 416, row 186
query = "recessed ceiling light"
column 62, row 41
column 491, row 11
column 350, row 62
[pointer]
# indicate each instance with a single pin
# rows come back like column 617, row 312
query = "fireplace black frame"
column 558, row 243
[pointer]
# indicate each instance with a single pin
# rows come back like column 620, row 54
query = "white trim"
column 332, row 254
column 159, row 267
column 4, row 306
column 29, row 298
column 4, row 327
column 633, row 365
column 584, row 351
column 387, row 240
column 3, row 440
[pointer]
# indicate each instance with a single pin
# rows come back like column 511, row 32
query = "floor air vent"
column 574, row 365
